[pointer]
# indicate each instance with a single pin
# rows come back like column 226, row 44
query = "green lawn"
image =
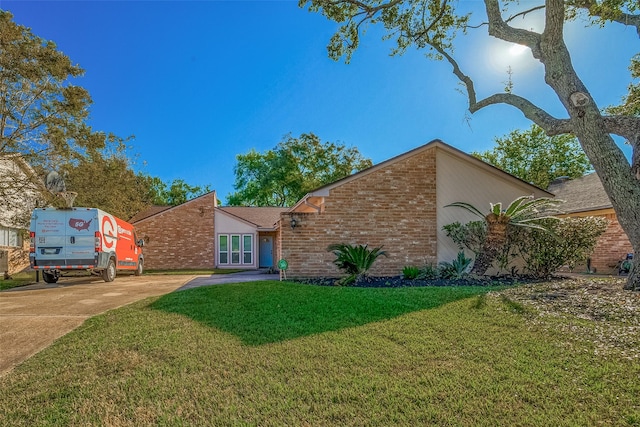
column 18, row 279
column 273, row 354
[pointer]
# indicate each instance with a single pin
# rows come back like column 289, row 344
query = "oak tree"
column 434, row 24
column 283, row 175
column 534, row 157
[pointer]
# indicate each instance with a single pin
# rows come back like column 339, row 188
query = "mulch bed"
column 400, row 281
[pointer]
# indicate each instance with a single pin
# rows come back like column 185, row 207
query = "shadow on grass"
column 269, row 311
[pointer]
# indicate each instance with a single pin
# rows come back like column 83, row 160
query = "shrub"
column 355, row 261
column 455, row 269
column 470, row 235
column 410, row 272
column 570, row 240
column 429, row 272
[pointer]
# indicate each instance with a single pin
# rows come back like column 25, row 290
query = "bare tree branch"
column 551, row 125
column 625, row 126
column 511, row 18
column 499, row 28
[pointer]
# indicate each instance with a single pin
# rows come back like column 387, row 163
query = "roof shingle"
column 581, row 194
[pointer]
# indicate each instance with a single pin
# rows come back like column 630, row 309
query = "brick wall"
column 181, row 237
column 17, row 258
column 394, row 207
column 612, row 246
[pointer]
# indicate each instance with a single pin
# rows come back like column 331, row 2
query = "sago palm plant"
column 525, row 211
column 355, row 260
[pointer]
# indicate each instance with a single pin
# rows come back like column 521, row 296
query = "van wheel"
column 109, row 273
column 49, row 277
column 140, row 268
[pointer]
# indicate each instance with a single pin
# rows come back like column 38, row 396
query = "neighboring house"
column 200, row 234
column 398, row 204
column 586, row 196
column 19, row 194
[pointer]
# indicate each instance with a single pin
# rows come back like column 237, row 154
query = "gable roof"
column 261, row 217
column 436, row 143
column 149, row 211
column 157, row 209
column 581, row 194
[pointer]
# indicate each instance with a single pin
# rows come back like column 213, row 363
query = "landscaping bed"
column 400, row 281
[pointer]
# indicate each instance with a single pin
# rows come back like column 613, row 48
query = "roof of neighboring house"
column 149, row 211
column 581, row 194
column 262, row 217
column 324, row 190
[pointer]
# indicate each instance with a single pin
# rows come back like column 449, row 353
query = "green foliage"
column 525, row 211
column 283, row 175
column 356, row 260
column 455, row 269
column 42, row 112
column 410, row 272
column 176, row 192
column 429, row 272
column 470, row 235
column 563, row 241
column 570, row 241
column 631, row 102
column 537, row 158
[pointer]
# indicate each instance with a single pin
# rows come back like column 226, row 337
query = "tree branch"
column 625, row 126
column 595, row 9
column 511, row 18
column 550, row 124
column 499, row 28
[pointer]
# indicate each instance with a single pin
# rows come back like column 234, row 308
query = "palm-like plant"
column 355, row 260
column 525, row 211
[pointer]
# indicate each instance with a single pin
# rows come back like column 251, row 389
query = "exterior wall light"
column 294, row 223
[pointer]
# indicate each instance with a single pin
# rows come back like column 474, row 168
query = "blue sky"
column 199, row 82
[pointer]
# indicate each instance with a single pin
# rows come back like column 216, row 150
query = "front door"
column 266, row 251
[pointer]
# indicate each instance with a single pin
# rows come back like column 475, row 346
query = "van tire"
column 139, row 269
column 49, row 277
column 109, row 273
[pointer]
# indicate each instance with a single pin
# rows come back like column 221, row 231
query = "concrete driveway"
column 33, row 317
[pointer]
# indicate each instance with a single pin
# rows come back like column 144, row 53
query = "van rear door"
column 64, row 238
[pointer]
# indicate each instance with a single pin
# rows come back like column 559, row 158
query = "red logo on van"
column 79, row 224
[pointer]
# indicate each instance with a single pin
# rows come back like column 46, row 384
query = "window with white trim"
column 235, row 249
column 10, row 237
column 247, row 249
column 223, row 249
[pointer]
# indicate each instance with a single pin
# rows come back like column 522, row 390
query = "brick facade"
column 180, row 237
column 393, row 206
column 612, row 247
column 17, row 258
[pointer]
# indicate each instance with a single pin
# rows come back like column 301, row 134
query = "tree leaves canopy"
column 283, row 175
column 41, row 112
column 536, row 158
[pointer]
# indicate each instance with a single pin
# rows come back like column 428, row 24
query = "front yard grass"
column 278, row 353
column 18, row 279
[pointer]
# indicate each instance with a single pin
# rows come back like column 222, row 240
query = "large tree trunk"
column 492, row 245
column 585, row 120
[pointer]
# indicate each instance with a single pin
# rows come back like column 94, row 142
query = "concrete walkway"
column 218, row 279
